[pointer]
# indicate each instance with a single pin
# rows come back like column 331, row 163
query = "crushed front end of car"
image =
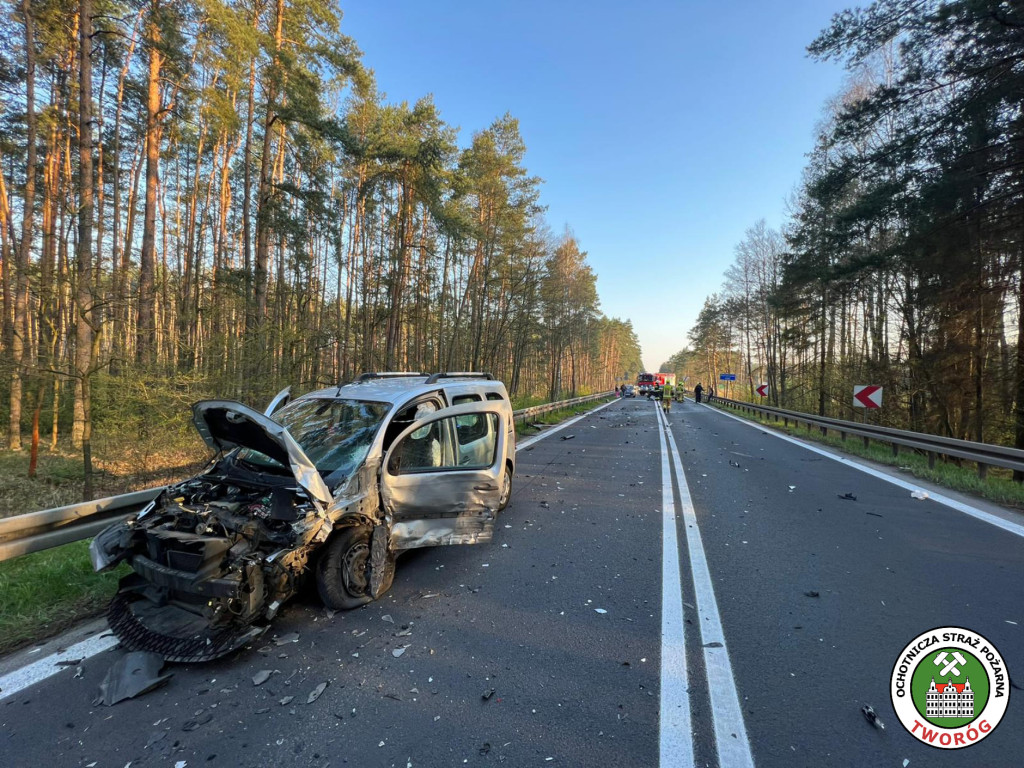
column 214, row 557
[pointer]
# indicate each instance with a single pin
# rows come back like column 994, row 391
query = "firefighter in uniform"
column 666, row 396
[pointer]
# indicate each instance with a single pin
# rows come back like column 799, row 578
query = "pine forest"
column 901, row 262
column 215, row 198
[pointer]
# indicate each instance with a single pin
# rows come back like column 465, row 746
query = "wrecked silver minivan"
column 333, row 485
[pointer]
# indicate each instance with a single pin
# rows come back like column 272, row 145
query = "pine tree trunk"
column 145, row 328
column 84, row 332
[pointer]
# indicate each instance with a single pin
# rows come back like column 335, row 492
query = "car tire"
column 506, row 489
column 342, row 573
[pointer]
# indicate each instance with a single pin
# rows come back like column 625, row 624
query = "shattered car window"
column 335, row 434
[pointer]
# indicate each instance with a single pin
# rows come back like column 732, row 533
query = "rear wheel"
column 506, row 488
column 343, row 571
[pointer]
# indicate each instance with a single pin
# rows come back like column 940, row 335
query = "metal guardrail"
column 524, row 414
column 983, row 454
column 36, row 531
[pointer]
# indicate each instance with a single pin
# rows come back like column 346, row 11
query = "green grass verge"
column 554, row 417
column 998, row 486
column 46, row 592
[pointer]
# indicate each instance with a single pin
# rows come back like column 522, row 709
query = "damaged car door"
column 441, row 480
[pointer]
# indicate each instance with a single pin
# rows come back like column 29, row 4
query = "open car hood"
column 225, row 425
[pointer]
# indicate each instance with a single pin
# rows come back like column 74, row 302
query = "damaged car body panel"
column 442, row 478
column 334, row 485
column 226, row 425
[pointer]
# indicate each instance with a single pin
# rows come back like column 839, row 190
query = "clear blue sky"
column 662, row 130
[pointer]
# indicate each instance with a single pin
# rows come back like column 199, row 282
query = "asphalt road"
column 550, row 646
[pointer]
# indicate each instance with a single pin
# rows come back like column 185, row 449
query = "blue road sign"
column 727, row 376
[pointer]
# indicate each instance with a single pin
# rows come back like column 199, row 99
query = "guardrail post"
column 895, row 449
column 824, row 431
column 867, row 442
column 931, row 459
column 982, row 470
column 842, row 436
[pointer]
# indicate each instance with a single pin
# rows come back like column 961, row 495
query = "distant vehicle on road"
column 629, row 391
column 647, row 382
column 335, row 484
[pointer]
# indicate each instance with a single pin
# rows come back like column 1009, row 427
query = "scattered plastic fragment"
column 568, row 437
column 486, row 695
column 131, row 675
column 156, row 738
column 386, row 617
column 286, row 701
column 399, row 651
column 872, row 717
column 906, row 762
column 792, row 488
column 1011, row 622
column 812, row 593
column 261, row 677
column 291, row 637
column 847, row 496
column 600, row 610
column 920, row 495
column 315, row 693
column 202, row 719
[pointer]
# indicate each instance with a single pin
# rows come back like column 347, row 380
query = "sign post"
column 727, row 377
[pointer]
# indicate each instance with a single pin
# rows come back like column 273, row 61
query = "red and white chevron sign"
column 867, row 396
column 762, row 390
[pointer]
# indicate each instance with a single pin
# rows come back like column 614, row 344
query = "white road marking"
column 37, row 671
column 537, row 438
column 979, row 514
column 726, row 712
column 676, row 731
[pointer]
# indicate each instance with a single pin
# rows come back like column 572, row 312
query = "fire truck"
column 647, row 382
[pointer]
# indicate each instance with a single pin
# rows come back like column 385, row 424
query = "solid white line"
column 1007, row 525
column 730, row 730
column 38, row 671
column 676, row 731
column 537, row 438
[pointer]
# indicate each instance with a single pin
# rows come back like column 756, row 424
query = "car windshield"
column 335, row 434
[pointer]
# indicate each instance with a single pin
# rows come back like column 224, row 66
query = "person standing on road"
column 666, row 397
column 698, row 391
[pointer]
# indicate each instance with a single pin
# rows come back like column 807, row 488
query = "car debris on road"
column 334, row 485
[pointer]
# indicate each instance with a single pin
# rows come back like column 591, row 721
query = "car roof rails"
column 459, row 375
column 370, row 375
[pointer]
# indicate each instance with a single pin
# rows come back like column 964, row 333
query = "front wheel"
column 343, row 571
column 506, row 489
